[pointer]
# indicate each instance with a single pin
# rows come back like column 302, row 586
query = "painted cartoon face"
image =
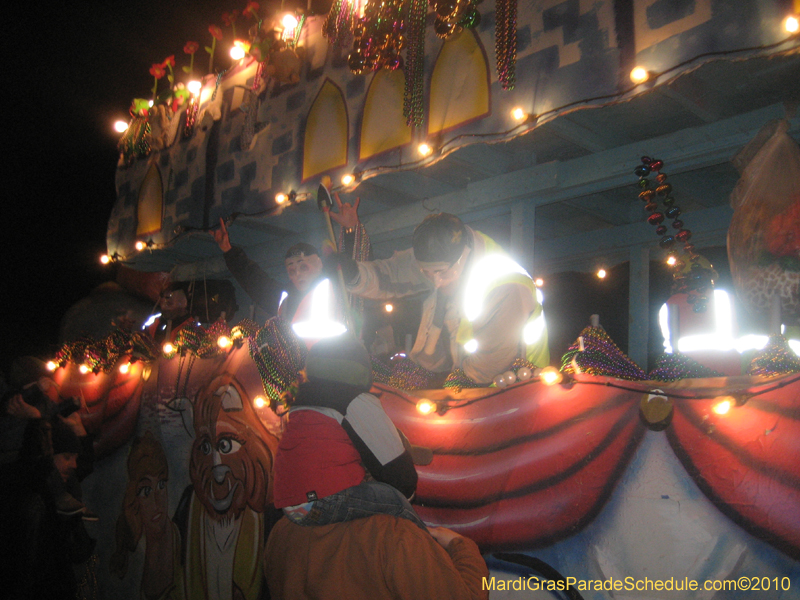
column 151, row 502
column 231, row 459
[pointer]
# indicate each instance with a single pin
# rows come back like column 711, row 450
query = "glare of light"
column 425, row 407
column 223, row 341
column 601, row 273
column 120, row 126
column 140, row 245
column 539, row 282
column 284, row 296
column 539, row 296
column 260, row 402
column 168, row 348
column 281, row 198
column 482, row 276
column 150, row 103
column 639, row 75
column 671, row 260
column 424, row 149
column 320, row 324
column 289, row 21
column 533, row 330
column 795, row 346
column 550, row 376
column 348, row 179
column 723, row 404
column 518, row 114
column 84, row 369
column 51, row 365
column 237, row 52
column 791, row 24
column 194, row 87
column 105, row 259
column 663, row 323
column 750, row 342
column 388, row 307
column 471, row 346
column 124, row 368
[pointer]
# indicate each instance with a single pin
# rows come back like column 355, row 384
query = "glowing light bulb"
column 84, row 369
column 539, row 282
column 639, row 75
column 601, row 273
column 150, row 103
column 194, row 87
column 237, row 52
column 105, row 259
column 223, row 341
column 168, row 348
column 124, row 368
column 120, row 126
column 424, row 149
column 671, row 261
column 260, row 402
column 51, row 365
column 518, row 114
column 348, row 179
column 281, row 198
column 425, row 407
column 140, row 245
column 550, row 376
column 791, row 24
column 388, row 307
column 723, row 405
column 289, row 21
column 471, row 346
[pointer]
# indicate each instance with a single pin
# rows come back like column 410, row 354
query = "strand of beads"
column 415, row 64
column 776, row 359
column 675, row 366
column 697, row 279
column 600, row 356
column 505, row 34
column 521, row 370
column 279, row 355
column 378, row 38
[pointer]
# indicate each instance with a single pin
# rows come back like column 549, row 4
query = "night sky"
column 71, row 70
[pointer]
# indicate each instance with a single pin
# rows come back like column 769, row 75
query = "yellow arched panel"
column 383, row 126
column 325, row 143
column 150, row 207
column 459, row 84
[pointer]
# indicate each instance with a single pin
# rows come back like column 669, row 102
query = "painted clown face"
column 231, row 461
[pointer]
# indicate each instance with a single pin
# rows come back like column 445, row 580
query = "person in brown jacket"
column 377, row 558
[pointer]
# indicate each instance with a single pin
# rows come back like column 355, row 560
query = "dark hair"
column 440, row 237
column 301, row 249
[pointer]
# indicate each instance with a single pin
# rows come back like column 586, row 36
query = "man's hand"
column 221, row 236
column 443, row 535
column 17, row 407
column 347, row 216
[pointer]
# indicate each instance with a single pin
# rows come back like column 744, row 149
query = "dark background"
column 71, row 70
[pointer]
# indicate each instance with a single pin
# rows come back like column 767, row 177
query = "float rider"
column 481, row 311
column 308, row 305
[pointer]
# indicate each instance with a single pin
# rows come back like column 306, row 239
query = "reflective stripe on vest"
column 317, row 313
column 491, row 271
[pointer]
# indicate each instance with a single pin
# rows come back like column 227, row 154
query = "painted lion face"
column 232, row 452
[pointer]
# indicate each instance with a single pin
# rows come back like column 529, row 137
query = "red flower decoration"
column 170, row 60
column 252, row 9
column 191, row 47
column 215, row 31
column 229, row 18
column 157, row 70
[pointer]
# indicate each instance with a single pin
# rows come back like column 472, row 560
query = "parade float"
column 523, row 120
